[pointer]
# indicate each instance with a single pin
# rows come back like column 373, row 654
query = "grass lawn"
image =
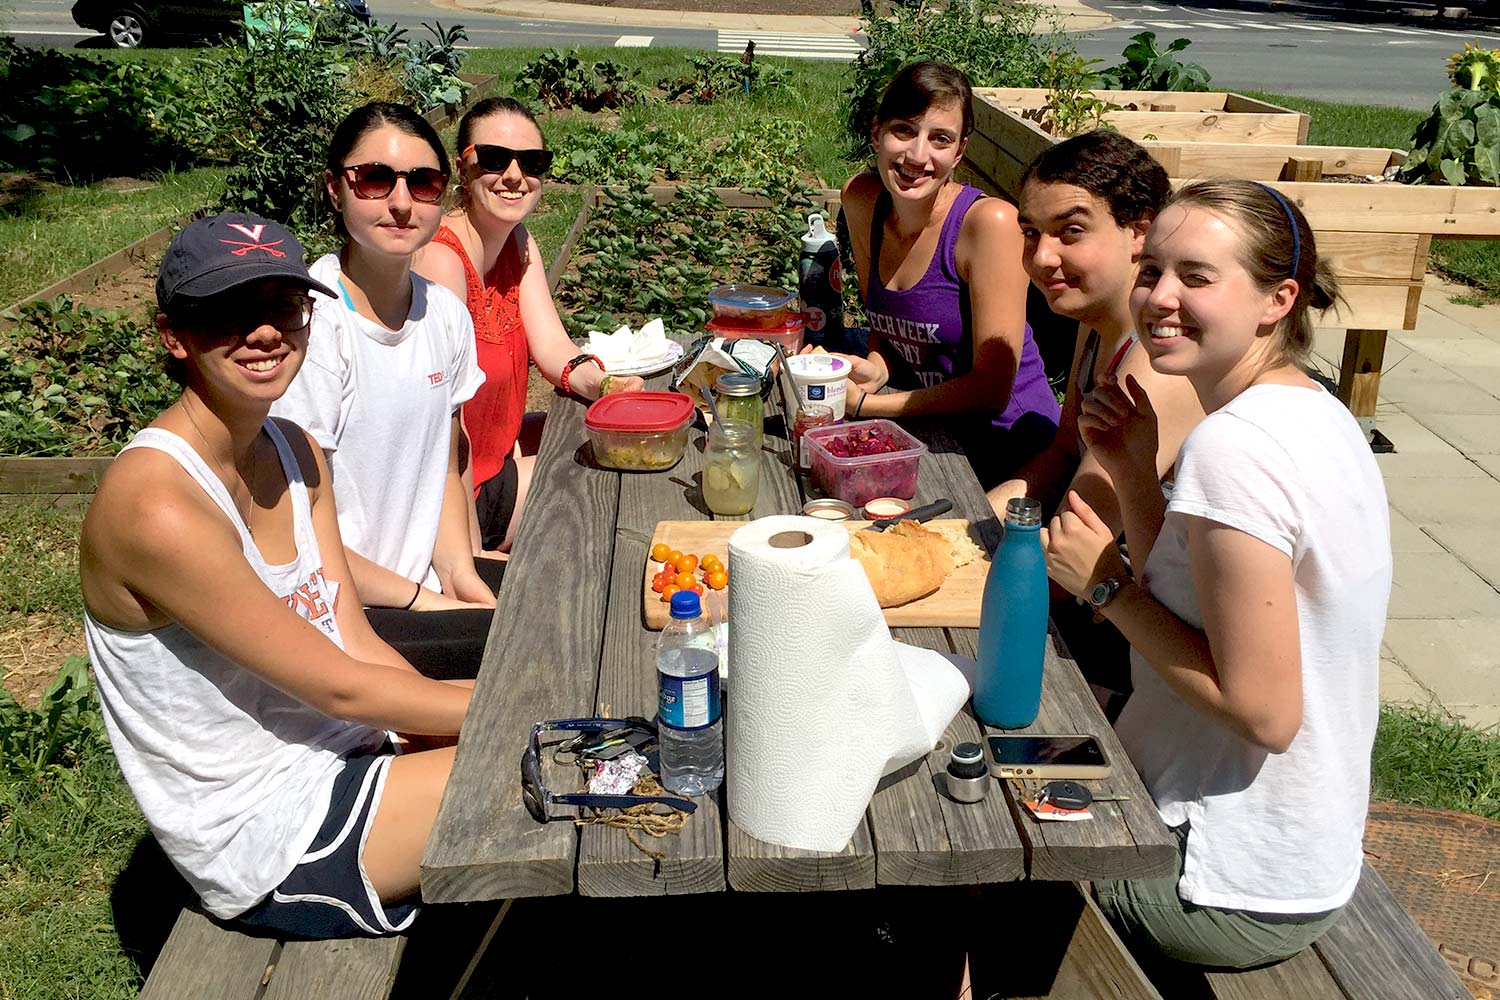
column 48, row 231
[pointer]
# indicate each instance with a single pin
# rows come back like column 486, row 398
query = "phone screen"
column 1069, row 750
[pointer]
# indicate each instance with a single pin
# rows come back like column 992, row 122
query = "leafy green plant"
column 997, row 44
column 560, row 80
column 714, row 76
column 76, row 380
column 432, row 66
column 39, row 747
column 1145, row 67
column 639, row 259
column 1459, row 143
column 1071, row 107
column 668, row 152
column 62, row 109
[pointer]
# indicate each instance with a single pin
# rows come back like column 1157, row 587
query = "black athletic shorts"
column 496, row 503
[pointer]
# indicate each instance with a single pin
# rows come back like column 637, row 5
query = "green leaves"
column 560, row 80
column 76, row 380
column 651, row 151
column 1145, row 67
column 1459, row 143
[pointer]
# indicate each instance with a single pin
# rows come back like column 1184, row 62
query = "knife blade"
column 926, row 512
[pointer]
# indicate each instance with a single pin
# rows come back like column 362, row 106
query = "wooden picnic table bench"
column 568, row 640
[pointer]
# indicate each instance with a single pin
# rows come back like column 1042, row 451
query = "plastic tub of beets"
column 861, row 461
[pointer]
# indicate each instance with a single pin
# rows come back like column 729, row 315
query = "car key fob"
column 1066, row 795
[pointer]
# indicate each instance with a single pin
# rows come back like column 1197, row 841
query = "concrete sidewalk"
column 1072, row 16
column 1440, row 406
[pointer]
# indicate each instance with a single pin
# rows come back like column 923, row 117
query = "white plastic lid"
column 817, row 233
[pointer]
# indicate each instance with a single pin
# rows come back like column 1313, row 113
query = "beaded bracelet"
column 568, row 368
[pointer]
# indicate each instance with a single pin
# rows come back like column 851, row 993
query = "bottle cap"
column 966, row 761
column 685, row 605
column 1023, row 512
column 817, row 233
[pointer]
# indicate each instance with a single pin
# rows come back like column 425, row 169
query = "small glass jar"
column 737, row 397
column 809, row 416
column 731, row 468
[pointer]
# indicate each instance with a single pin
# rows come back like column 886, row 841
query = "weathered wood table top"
column 568, row 641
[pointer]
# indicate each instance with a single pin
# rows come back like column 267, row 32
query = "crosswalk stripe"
column 769, row 43
column 633, row 41
column 1174, row 25
column 1400, row 31
column 1350, row 27
column 1258, row 27
column 1307, row 27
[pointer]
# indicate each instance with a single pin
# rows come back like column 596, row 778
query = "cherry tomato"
column 658, row 584
column 718, row 580
column 711, row 563
column 683, row 580
column 697, row 588
column 660, row 551
column 668, row 591
column 672, row 557
column 687, row 563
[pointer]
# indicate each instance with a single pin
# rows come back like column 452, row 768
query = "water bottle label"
column 688, row 702
column 816, row 318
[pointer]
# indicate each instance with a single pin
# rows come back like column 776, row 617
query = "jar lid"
column 882, row 507
column 829, row 509
column 639, row 412
column 756, row 298
column 725, row 325
column 967, row 753
column 737, row 384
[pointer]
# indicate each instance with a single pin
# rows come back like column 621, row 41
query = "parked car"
column 128, row 24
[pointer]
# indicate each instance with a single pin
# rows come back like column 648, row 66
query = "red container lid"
column 726, row 328
column 639, row 412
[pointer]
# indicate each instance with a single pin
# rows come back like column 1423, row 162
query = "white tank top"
column 234, row 776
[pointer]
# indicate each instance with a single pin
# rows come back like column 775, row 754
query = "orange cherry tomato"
column 711, row 563
column 660, row 551
column 658, row 584
column 683, row 580
column 668, row 591
column 687, row 563
column 697, row 588
column 718, row 580
column 672, row 557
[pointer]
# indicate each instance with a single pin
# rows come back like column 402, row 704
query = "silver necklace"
column 249, row 515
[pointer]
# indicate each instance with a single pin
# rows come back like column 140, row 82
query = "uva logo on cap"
column 253, row 233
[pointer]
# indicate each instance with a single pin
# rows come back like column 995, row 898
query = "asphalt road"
column 1343, row 57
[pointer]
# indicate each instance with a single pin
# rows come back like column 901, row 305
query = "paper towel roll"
column 825, row 702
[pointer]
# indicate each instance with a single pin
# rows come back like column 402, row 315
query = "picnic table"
column 568, row 641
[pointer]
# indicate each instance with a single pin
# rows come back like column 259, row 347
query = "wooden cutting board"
column 955, row 604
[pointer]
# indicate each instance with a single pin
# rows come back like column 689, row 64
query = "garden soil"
column 32, row 650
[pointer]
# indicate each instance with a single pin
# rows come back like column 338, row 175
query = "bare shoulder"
column 148, row 506
column 440, row 263
column 859, row 194
column 990, row 218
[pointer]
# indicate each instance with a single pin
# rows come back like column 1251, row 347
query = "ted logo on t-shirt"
column 436, row 379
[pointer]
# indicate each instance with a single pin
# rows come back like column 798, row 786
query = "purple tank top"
column 927, row 329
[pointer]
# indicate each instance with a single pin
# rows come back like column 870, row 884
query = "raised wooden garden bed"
column 1376, row 235
column 481, row 85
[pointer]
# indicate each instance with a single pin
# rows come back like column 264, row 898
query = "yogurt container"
column 820, row 378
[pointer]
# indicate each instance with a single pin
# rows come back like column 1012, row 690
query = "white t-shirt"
column 380, row 403
column 1274, row 833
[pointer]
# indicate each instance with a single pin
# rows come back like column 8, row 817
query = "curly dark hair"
column 1110, row 167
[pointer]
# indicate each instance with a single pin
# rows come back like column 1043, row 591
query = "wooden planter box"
column 56, row 481
column 1376, row 235
column 480, row 87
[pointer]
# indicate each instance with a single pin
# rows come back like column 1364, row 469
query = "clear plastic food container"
column 861, row 461
column 752, row 307
column 789, row 334
column 639, row 431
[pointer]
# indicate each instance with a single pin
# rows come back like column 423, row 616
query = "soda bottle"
column 690, row 726
column 820, row 285
column 1013, row 623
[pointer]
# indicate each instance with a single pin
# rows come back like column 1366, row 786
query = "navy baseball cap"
column 222, row 252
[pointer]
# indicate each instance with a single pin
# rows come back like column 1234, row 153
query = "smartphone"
column 1063, row 756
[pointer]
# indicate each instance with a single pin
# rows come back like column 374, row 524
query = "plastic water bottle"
column 690, row 726
column 820, row 284
column 1013, row 623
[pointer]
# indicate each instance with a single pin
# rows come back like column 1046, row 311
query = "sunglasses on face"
column 497, row 159
column 241, row 315
column 593, row 739
column 376, row 180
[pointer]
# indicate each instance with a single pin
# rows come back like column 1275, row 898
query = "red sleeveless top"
column 493, row 416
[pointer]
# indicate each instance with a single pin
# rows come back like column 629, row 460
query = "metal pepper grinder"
column 968, row 778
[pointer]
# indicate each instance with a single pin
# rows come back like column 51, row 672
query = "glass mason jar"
column 737, row 397
column 731, row 468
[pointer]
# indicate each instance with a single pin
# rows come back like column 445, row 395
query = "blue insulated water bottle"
column 1013, row 623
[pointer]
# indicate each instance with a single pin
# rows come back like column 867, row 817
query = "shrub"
column 1145, row 67
column 560, row 80
column 1459, row 143
column 714, row 76
column 994, row 42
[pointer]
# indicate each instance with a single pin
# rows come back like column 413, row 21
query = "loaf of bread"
column 905, row 562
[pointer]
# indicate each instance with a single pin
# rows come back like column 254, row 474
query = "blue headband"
column 1292, row 219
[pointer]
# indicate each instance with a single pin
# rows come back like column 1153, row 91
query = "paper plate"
column 661, row 364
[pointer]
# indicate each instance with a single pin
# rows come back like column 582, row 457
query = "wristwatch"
column 1104, row 591
column 568, row 368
